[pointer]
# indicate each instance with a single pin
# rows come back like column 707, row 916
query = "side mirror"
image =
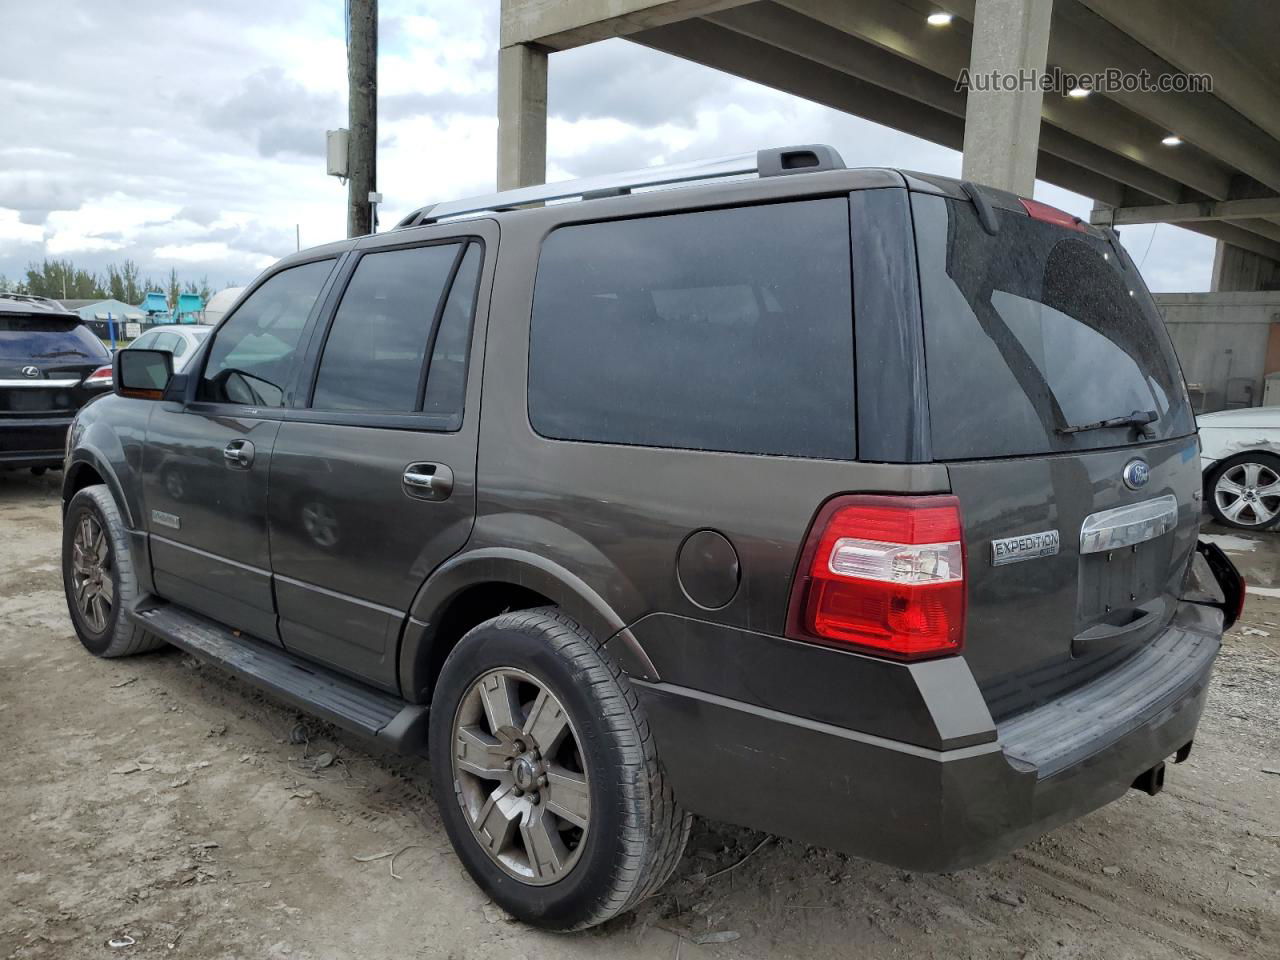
column 142, row 374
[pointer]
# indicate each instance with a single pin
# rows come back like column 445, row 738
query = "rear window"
column 47, row 338
column 727, row 330
column 1033, row 330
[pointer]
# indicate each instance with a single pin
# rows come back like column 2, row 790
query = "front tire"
column 98, row 576
column 1244, row 491
column 546, row 773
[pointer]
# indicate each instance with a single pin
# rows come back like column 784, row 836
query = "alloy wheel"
column 93, row 587
column 1248, row 494
column 521, row 781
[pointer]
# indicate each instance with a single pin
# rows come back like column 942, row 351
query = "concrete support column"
column 522, row 116
column 1002, row 127
column 1237, row 269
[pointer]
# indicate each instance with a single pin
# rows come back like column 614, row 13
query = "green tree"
column 61, row 279
column 122, row 282
column 133, row 292
column 201, row 289
column 174, row 288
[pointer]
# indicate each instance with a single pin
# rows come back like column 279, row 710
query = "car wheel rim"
column 1248, row 494
column 519, row 776
column 91, row 573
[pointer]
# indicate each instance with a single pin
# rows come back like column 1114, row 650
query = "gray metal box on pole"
column 336, row 147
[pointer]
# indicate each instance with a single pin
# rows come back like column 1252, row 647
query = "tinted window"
column 447, row 377
column 254, row 351
column 374, row 353
column 180, row 347
column 725, row 330
column 47, row 338
column 1033, row 330
column 167, row 342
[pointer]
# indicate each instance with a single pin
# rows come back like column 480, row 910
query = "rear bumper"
column 33, row 442
column 937, row 809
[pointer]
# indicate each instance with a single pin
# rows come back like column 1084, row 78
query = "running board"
column 390, row 721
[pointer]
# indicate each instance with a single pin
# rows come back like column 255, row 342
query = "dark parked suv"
column 51, row 364
column 852, row 505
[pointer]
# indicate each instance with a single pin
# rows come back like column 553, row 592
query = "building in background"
column 1207, row 160
column 220, row 303
column 98, row 314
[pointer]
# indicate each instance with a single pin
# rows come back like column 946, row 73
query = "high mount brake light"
column 1042, row 211
column 884, row 575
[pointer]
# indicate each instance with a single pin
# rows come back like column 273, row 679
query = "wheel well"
column 470, row 608
column 82, row 475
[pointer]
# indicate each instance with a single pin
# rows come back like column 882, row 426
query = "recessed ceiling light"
column 939, row 19
column 1079, row 93
column 1172, row 140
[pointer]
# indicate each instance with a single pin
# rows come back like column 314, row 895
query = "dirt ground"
column 159, row 800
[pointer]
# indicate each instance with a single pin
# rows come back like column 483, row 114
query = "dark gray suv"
column 856, row 506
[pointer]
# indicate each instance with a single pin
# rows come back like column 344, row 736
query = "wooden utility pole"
column 362, row 105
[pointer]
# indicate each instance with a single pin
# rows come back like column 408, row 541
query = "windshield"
column 24, row 337
column 1033, row 331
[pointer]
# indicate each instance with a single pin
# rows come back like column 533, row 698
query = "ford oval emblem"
column 1136, row 474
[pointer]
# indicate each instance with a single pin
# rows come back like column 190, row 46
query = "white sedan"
column 1240, row 457
column 181, row 341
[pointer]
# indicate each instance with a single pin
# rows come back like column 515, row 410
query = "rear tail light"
column 1042, row 211
column 100, row 377
column 884, row 575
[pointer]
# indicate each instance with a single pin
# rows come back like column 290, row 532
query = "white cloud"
column 205, row 160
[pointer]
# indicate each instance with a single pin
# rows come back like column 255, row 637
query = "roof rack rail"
column 776, row 161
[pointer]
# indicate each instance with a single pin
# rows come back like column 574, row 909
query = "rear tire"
column 1244, row 491
column 569, row 820
column 98, row 576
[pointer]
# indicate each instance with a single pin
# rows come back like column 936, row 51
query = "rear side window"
column 373, row 356
column 1034, row 330
column 167, row 342
column 35, row 337
column 727, row 330
column 254, row 352
column 447, row 376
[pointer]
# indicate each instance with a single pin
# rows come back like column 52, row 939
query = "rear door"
column 206, row 461
column 373, row 475
column 1077, row 539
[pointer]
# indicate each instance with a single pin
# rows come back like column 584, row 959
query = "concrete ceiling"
column 879, row 59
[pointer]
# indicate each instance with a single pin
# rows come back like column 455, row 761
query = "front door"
column 373, row 475
column 207, row 459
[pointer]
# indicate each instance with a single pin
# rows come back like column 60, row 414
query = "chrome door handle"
column 428, row 481
column 238, row 453
column 423, row 481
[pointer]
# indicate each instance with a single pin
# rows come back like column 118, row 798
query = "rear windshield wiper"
column 1139, row 418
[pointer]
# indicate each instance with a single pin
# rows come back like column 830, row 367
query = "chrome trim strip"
column 39, row 383
column 1128, row 525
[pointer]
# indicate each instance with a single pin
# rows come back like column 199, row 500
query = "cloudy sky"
column 191, row 134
